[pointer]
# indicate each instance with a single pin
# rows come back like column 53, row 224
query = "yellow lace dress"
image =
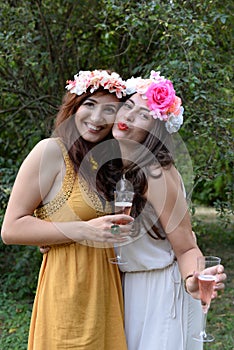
column 78, row 302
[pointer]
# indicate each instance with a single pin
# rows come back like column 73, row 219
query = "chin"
column 118, row 135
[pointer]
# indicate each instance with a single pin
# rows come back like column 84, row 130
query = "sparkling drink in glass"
column 123, row 205
column 206, row 282
column 206, row 285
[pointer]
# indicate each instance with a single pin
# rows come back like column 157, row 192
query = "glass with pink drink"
column 206, row 282
column 123, row 205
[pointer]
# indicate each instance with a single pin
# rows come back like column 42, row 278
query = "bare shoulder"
column 48, row 146
column 46, row 151
column 159, row 174
column 167, row 198
column 44, row 161
column 164, row 184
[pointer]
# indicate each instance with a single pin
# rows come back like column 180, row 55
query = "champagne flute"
column 206, row 282
column 123, row 205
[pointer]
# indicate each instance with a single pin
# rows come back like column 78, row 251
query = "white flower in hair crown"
column 161, row 99
column 96, row 79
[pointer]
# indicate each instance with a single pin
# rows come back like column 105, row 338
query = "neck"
column 129, row 150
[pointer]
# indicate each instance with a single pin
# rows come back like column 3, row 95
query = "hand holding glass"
column 123, row 205
column 206, row 283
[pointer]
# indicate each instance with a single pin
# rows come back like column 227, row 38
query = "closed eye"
column 145, row 116
column 127, row 105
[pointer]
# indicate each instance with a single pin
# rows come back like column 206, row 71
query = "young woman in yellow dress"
column 59, row 200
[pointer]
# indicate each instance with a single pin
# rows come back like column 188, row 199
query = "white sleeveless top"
column 146, row 253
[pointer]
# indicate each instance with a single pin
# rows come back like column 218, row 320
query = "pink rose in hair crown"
column 161, row 96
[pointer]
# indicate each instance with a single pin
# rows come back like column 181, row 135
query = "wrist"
column 185, row 282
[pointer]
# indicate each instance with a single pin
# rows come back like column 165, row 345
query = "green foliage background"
column 44, row 43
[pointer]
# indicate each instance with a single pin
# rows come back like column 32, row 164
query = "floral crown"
column 96, row 79
column 162, row 100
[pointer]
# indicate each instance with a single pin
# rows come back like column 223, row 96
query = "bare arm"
column 166, row 196
column 39, row 178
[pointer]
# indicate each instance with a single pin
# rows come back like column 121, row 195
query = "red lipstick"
column 122, row 126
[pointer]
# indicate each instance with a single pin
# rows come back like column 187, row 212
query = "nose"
column 96, row 114
column 130, row 115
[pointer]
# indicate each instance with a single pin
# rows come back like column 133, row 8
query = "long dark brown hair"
column 102, row 181
column 156, row 151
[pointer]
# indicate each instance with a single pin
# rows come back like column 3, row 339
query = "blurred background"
column 44, row 43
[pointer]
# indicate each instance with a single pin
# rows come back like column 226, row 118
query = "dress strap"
column 66, row 157
column 45, row 211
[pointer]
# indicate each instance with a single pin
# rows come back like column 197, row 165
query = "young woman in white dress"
column 159, row 313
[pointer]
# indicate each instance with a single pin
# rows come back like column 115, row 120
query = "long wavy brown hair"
column 157, row 151
column 104, row 180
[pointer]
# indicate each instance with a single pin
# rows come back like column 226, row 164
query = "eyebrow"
column 144, row 108
column 106, row 104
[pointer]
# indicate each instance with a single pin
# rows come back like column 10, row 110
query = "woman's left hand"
column 220, row 276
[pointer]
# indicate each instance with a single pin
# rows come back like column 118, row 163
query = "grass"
column 19, row 268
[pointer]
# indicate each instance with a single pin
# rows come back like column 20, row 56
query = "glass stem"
column 203, row 331
column 118, row 253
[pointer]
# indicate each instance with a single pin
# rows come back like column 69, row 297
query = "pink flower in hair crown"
column 162, row 100
column 160, row 97
column 93, row 80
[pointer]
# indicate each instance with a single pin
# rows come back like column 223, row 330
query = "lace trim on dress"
column 62, row 196
column 93, row 199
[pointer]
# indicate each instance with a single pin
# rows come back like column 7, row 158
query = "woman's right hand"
column 99, row 229
column 96, row 230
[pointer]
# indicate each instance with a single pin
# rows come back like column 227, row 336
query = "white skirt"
column 159, row 314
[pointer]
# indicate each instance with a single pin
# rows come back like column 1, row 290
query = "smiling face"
column 133, row 120
column 95, row 117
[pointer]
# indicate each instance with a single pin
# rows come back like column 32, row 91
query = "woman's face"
column 133, row 120
column 95, row 117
